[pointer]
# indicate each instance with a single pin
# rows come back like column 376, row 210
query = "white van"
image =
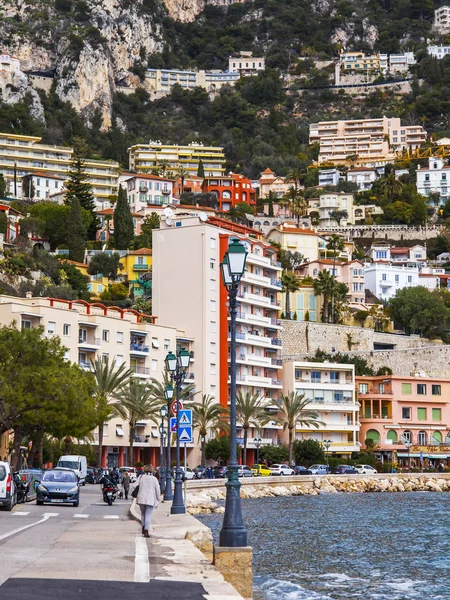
column 8, row 494
column 77, row 464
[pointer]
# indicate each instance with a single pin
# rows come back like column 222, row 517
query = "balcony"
column 140, row 371
column 257, row 381
column 252, row 359
column 189, row 377
column 256, row 319
column 85, row 365
column 139, row 350
column 140, row 267
column 259, row 300
column 89, row 343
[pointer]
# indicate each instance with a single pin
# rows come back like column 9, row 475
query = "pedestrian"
column 441, row 467
column 126, row 484
column 148, row 498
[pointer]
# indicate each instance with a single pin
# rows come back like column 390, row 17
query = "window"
column 26, row 324
column 212, row 347
column 212, row 285
column 397, row 278
column 406, row 388
column 212, row 305
column 381, row 254
column 119, row 359
column 363, row 388
column 383, row 276
column 212, row 264
column 436, row 414
column 105, row 335
column 212, row 326
column 105, row 357
column 334, row 376
column 422, row 438
column 66, row 329
column 166, row 344
column 212, row 369
column 155, row 342
column 298, row 374
column 154, row 364
column 212, row 243
column 406, row 413
column 421, row 414
column 315, row 376
column 51, row 327
column 120, row 337
column 407, row 436
column 422, row 389
column 409, row 278
column 436, row 389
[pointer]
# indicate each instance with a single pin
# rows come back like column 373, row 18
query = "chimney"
column 29, row 295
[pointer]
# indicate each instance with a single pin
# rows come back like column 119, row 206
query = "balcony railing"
column 140, row 267
column 140, row 370
column 85, row 365
column 89, row 341
column 139, row 348
column 277, row 361
column 276, row 342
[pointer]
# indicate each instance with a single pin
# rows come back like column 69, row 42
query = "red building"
column 230, row 190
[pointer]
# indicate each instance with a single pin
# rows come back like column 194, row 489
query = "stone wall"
column 301, row 337
column 434, row 361
column 385, row 232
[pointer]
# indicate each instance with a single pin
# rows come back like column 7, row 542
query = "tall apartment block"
column 90, row 331
column 25, row 155
column 370, row 142
column 145, row 157
column 330, row 387
column 187, row 252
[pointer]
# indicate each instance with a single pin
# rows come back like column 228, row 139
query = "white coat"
column 149, row 492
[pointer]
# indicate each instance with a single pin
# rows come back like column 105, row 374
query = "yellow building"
column 137, row 271
column 4, row 446
column 27, row 155
column 358, row 61
column 295, row 239
column 97, row 283
column 305, row 305
column 145, row 157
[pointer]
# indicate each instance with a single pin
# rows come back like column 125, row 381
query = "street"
column 66, row 552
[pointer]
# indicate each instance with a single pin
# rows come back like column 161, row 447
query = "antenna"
column 168, row 212
column 203, row 216
column 169, row 222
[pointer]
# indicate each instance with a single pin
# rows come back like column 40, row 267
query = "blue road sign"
column 173, row 424
column 186, row 417
column 185, row 435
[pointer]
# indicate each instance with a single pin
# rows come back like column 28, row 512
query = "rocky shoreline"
column 205, row 500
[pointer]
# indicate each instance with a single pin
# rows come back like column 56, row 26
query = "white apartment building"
column 162, row 80
column 26, row 155
column 330, row 387
column 145, row 157
column 88, row 332
column 441, row 21
column 335, row 201
column 370, row 142
column 246, row 64
column 44, row 186
column 364, row 177
column 189, row 252
column 385, row 280
column 415, row 255
column 397, row 63
column 8, row 63
column 329, row 177
column 145, row 190
column 434, row 179
column 438, row 51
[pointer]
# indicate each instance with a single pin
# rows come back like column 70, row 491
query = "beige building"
column 145, row 157
column 162, row 80
column 8, row 63
column 269, row 182
column 335, row 201
column 246, row 64
column 441, row 22
column 331, row 389
column 190, row 255
column 89, row 331
column 350, row 272
column 25, row 154
column 368, row 142
column 290, row 237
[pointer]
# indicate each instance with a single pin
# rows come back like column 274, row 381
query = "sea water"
column 385, row 546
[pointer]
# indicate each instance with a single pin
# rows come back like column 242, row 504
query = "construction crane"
column 419, row 153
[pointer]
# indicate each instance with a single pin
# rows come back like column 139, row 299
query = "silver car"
column 319, row 469
column 244, row 471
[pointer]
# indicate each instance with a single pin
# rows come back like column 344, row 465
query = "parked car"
column 281, row 470
column 368, row 469
column 131, row 472
column 345, row 470
column 220, row 472
column 319, row 469
column 58, row 486
column 299, row 470
column 78, row 464
column 8, row 492
column 244, row 471
column 199, row 472
column 261, row 471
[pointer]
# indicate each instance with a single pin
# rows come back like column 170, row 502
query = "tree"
column 418, row 310
column 308, row 451
column 338, row 215
column 78, row 187
column 290, row 260
column 207, row 416
column 274, row 454
column 123, row 222
column 50, row 219
column 114, row 292
column 290, row 283
column 201, row 169
column 251, row 412
column 324, row 286
column 110, row 378
column 107, row 264
column 37, row 386
column 335, row 243
column 219, row 449
column 3, row 186
column 28, row 190
column 76, row 233
column 390, row 186
column 399, row 212
column 134, row 402
column 182, row 174
column 239, row 212
column 292, row 412
column 150, row 222
column 68, row 274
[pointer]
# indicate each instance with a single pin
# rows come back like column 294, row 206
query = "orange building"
column 230, row 190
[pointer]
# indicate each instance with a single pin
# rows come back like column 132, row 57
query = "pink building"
column 349, row 272
column 397, row 412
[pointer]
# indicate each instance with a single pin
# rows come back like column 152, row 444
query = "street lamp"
column 327, row 444
column 202, row 441
column 408, row 445
column 162, row 435
column 178, row 367
column 168, row 494
column 257, row 442
column 233, row 532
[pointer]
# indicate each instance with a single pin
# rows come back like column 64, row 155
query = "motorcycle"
column 109, row 494
column 22, row 489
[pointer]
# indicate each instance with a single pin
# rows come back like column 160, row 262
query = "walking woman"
column 148, row 497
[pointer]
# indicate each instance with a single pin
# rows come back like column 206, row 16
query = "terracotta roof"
column 361, row 169
column 296, row 230
column 110, row 211
column 141, row 251
column 47, row 175
column 148, row 176
column 194, row 206
column 268, row 171
column 399, row 250
column 73, row 262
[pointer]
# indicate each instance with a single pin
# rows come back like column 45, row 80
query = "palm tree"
column 182, row 174
column 109, row 381
column 290, row 283
column 158, row 389
column 323, row 286
column 336, row 243
column 390, row 186
column 296, row 175
column 292, row 412
column 251, row 412
column 207, row 415
column 163, row 164
column 136, row 402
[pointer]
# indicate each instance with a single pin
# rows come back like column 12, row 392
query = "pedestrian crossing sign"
column 186, row 417
column 185, row 434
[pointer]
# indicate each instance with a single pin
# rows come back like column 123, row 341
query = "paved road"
column 64, row 552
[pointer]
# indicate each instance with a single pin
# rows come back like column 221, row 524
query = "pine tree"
column 201, row 169
column 77, row 185
column 123, row 222
column 76, row 233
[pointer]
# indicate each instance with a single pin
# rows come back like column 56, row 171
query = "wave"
column 274, row 589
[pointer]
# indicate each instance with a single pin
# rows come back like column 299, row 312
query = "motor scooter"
column 109, row 494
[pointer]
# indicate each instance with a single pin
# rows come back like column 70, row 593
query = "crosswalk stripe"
column 51, row 514
column 20, row 513
column 79, row 516
column 111, row 517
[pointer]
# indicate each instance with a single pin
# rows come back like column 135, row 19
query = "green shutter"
column 373, row 435
column 392, row 435
column 437, row 437
column 422, row 414
column 436, row 414
column 367, row 414
column 406, row 388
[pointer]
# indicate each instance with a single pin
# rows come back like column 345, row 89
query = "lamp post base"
column 162, row 480
column 233, row 533
column 168, row 494
column 178, row 507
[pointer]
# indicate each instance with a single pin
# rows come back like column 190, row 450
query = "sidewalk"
column 174, row 553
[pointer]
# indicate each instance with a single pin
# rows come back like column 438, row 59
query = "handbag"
column 135, row 492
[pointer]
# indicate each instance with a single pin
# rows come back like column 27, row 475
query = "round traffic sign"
column 173, row 407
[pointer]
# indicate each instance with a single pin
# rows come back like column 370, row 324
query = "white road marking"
column 79, row 516
column 7, row 535
column 141, row 563
column 21, row 513
column 51, row 514
column 111, row 517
